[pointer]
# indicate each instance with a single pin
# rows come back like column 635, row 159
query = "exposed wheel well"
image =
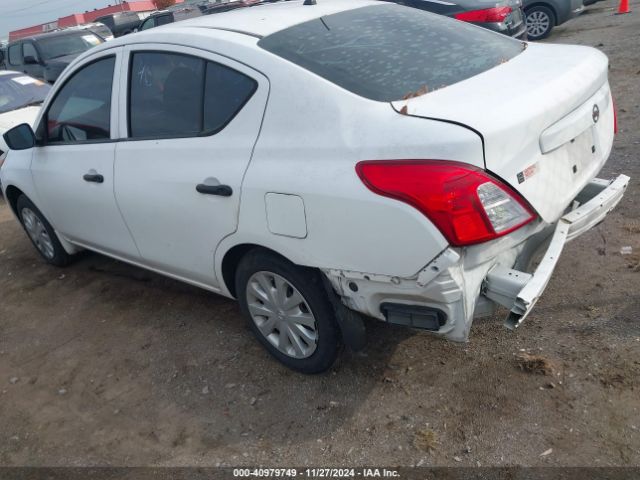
column 546, row 5
column 12, row 194
column 232, row 259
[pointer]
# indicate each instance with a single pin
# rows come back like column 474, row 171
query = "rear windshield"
column 390, row 52
column 101, row 30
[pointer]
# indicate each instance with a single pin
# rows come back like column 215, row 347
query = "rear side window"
column 390, row 52
column 175, row 95
column 81, row 110
column 15, row 54
column 108, row 21
column 164, row 20
column 225, row 93
column 147, row 24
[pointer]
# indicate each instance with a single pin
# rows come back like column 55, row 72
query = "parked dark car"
column 3, row 56
column 164, row 17
column 502, row 16
column 122, row 23
column 46, row 56
column 543, row 15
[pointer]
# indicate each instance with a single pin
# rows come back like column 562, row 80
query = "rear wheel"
column 41, row 233
column 540, row 22
column 288, row 311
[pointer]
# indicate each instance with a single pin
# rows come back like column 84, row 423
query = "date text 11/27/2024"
column 316, row 472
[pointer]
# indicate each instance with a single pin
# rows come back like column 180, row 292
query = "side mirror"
column 20, row 137
column 29, row 60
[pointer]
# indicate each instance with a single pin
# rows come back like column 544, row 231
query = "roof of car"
column 265, row 19
column 158, row 12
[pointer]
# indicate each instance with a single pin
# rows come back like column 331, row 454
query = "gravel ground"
column 106, row 364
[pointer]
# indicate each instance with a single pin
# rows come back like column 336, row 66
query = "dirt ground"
column 106, row 364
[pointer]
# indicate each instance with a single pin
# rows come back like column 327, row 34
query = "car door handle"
column 220, row 190
column 93, row 177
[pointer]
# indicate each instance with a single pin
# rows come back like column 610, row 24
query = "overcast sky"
column 15, row 14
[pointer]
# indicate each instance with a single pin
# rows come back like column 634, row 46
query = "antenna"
column 310, row 2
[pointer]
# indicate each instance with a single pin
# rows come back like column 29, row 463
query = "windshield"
column 101, row 30
column 390, row 52
column 18, row 91
column 69, row 44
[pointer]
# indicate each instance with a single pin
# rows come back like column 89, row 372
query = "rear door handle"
column 93, row 177
column 220, row 190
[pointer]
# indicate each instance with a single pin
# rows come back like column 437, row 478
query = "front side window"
column 15, row 55
column 81, row 111
column 175, row 95
column 28, row 50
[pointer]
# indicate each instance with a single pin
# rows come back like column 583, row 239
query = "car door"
column 29, row 53
column 192, row 121
column 73, row 167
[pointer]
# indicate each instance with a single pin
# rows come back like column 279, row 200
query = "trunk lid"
column 545, row 117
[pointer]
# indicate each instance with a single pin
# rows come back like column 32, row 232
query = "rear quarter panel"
column 312, row 137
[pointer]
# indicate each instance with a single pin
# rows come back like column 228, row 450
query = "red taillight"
column 466, row 204
column 495, row 14
column 615, row 117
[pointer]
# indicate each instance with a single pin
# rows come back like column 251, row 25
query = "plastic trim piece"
column 519, row 291
column 414, row 316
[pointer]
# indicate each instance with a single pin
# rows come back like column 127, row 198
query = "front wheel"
column 540, row 22
column 41, row 233
column 288, row 311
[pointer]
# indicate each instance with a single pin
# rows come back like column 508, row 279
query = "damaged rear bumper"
column 462, row 284
column 519, row 291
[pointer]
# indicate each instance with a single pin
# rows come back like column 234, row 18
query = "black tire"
column 539, row 12
column 308, row 284
column 58, row 256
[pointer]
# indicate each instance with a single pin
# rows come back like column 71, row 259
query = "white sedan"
column 323, row 163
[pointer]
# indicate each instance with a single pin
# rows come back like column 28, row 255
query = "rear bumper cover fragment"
column 519, row 291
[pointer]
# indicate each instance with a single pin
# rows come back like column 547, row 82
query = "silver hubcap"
column 38, row 233
column 282, row 314
column 537, row 23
